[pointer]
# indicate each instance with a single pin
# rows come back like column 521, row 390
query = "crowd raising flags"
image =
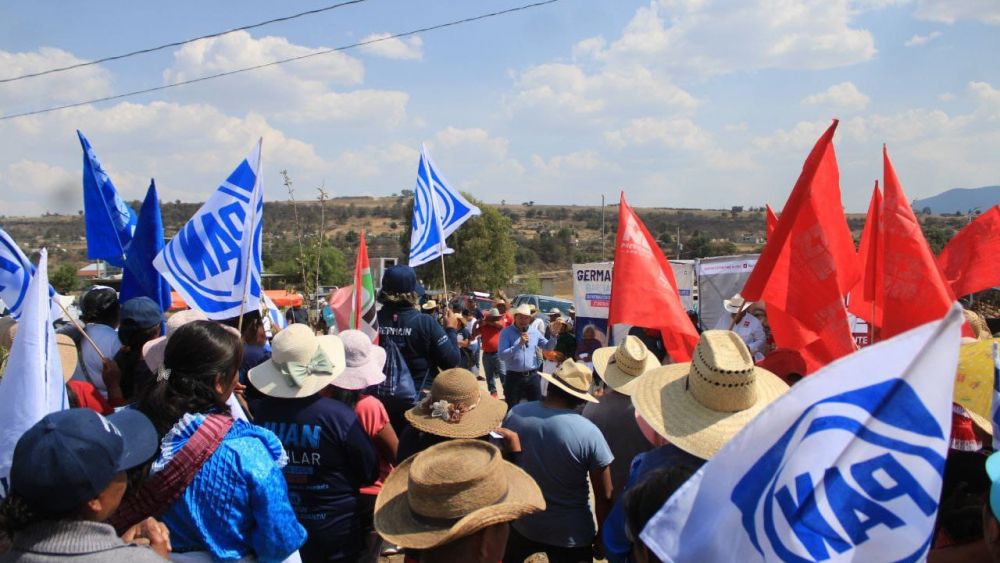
column 438, row 211
column 214, row 262
column 109, row 221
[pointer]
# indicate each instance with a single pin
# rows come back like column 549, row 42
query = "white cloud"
column 845, row 96
column 474, row 140
column 946, row 97
column 918, row 40
column 679, row 133
column 299, row 92
column 406, row 48
column 51, row 188
column 368, row 165
column 721, row 36
column 34, row 93
column 988, row 98
column 951, row 11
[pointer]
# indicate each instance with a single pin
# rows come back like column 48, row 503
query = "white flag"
column 214, row 260
column 847, row 465
column 33, row 385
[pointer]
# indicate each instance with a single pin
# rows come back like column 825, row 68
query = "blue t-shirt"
column 558, row 449
column 330, row 457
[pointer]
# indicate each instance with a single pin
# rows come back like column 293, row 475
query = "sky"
column 679, row 103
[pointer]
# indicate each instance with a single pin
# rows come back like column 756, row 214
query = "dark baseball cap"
column 143, row 312
column 96, row 301
column 71, row 456
column 401, row 279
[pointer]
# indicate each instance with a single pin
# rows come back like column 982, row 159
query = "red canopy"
column 280, row 297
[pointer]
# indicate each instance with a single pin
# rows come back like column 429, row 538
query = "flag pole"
column 246, row 273
column 444, row 280
column 79, row 327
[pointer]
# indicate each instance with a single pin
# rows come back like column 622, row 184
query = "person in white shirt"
column 747, row 326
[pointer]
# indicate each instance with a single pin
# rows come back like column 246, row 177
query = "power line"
column 281, row 61
column 179, row 43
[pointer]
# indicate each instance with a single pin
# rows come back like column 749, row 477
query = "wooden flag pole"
column 79, row 327
column 246, row 273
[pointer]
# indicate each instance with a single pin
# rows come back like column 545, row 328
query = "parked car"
column 544, row 303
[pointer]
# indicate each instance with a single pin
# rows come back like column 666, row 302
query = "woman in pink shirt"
column 364, row 368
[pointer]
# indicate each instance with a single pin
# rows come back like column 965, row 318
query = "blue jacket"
column 426, row 345
column 237, row 504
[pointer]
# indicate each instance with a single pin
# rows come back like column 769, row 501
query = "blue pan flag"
column 438, row 211
column 110, row 222
column 139, row 277
column 214, row 261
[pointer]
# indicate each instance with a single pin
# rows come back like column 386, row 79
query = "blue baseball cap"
column 71, row 456
column 401, row 279
column 143, row 312
column 993, row 470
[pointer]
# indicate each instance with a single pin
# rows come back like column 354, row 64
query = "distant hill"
column 960, row 200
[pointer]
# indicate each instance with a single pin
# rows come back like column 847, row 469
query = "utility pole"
column 603, row 258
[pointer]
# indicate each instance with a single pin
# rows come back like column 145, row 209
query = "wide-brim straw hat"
column 621, row 366
column 152, row 351
column 430, row 304
column 301, row 364
column 574, row 378
column 700, row 405
column 68, row 356
column 363, row 360
column 457, row 407
column 523, row 309
column 452, row 490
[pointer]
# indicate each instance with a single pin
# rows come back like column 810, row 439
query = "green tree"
column 332, row 268
column 64, row 279
column 484, row 253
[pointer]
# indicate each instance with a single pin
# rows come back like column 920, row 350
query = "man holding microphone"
column 517, row 349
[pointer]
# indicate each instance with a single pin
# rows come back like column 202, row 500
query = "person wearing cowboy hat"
column 748, row 326
column 456, row 407
column 697, row 406
column 518, row 348
column 454, row 502
column 621, row 368
column 330, row 457
column 561, row 449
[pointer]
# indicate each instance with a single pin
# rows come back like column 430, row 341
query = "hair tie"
column 162, row 374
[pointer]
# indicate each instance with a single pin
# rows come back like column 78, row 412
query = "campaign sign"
column 214, row 261
column 847, row 465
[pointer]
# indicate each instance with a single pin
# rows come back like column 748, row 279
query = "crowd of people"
column 199, row 440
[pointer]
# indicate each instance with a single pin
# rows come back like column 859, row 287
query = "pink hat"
column 152, row 351
column 364, row 362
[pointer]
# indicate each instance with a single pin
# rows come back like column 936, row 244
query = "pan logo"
column 861, row 465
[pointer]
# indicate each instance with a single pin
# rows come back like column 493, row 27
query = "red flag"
column 363, row 316
column 643, row 289
column 968, row 260
column 809, row 264
column 916, row 291
column 865, row 302
column 772, row 221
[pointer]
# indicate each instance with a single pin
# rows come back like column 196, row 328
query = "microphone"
column 523, row 330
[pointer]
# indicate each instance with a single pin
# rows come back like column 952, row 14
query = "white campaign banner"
column 846, row 466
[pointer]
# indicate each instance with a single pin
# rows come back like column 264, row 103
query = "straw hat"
column 734, row 304
column 67, row 355
column 979, row 327
column 523, row 309
column 555, row 311
column 621, row 366
column 452, row 490
column 152, row 351
column 430, row 304
column 364, row 362
column 457, row 407
column 301, row 364
column 574, row 378
column 700, row 405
